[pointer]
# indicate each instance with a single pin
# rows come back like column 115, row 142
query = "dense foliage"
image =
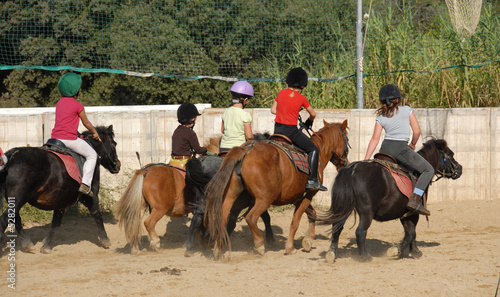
column 245, row 39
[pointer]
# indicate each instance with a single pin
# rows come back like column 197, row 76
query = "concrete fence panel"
column 471, row 133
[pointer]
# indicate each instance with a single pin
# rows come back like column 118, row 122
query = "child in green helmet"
column 69, row 112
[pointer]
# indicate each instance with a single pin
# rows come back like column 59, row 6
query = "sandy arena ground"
column 461, row 247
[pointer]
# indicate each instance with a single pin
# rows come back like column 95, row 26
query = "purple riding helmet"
column 240, row 90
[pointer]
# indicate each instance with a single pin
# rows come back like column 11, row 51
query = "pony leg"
column 408, row 245
column 297, row 215
column 26, row 244
column 56, row 223
column 337, row 228
column 251, row 218
column 307, row 241
column 196, row 223
column 361, row 231
column 150, row 223
column 266, row 218
column 92, row 204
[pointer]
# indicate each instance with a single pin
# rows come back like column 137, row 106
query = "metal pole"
column 359, row 55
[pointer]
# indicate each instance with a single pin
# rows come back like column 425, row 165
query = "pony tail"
column 130, row 208
column 214, row 194
column 342, row 202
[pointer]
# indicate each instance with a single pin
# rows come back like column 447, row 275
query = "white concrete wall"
column 471, row 133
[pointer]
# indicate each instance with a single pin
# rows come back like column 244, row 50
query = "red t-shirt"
column 67, row 119
column 287, row 110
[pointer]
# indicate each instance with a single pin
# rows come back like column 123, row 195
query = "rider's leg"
column 81, row 147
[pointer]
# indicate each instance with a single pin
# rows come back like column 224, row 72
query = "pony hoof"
column 188, row 254
column 290, row 251
column 260, row 250
column 365, row 258
column 27, row 246
column 392, row 252
column 46, row 250
column 330, row 257
column 416, row 255
column 307, row 244
column 105, row 242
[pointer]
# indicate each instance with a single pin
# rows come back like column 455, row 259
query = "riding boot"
column 414, row 204
column 86, row 190
column 313, row 181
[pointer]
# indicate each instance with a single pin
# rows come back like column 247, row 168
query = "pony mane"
column 431, row 148
column 213, row 144
column 100, row 129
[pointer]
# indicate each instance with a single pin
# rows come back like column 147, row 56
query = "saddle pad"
column 404, row 183
column 71, row 166
column 299, row 159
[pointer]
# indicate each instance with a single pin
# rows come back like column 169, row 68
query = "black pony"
column 38, row 177
column 370, row 189
column 199, row 172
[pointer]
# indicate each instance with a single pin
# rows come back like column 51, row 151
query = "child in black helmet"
column 184, row 140
column 286, row 107
column 396, row 121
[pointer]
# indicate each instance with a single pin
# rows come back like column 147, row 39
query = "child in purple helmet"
column 236, row 123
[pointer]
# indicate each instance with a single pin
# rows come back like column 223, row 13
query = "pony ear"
column 441, row 144
column 325, row 123
column 110, row 128
column 344, row 124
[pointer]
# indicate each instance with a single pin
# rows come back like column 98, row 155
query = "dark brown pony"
column 36, row 176
column 268, row 175
column 370, row 189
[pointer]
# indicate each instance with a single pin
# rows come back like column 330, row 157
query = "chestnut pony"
column 270, row 178
column 162, row 189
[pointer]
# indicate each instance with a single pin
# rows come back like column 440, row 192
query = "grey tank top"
column 397, row 127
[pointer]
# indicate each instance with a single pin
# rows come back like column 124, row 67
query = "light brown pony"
column 270, row 178
column 159, row 187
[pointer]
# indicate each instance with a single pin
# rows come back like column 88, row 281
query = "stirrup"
column 315, row 185
column 85, row 192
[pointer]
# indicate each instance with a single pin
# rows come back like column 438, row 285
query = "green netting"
column 255, row 39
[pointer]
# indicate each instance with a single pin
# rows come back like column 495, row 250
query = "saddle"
column 294, row 153
column 179, row 166
column 72, row 161
column 404, row 178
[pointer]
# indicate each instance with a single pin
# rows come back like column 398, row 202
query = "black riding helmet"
column 186, row 111
column 297, row 77
column 388, row 93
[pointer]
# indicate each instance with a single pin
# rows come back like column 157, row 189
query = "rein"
column 347, row 146
column 440, row 174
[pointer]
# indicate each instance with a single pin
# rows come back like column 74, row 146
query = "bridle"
column 341, row 160
column 107, row 152
column 453, row 168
